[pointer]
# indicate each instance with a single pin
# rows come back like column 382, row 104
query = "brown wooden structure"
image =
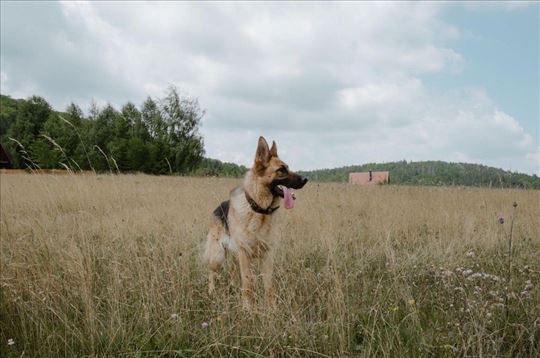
column 369, row 178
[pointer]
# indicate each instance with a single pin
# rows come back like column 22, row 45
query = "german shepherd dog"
column 242, row 225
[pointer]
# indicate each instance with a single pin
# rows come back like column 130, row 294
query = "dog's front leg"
column 267, row 270
column 245, row 273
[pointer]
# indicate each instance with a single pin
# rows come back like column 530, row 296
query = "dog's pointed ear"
column 273, row 150
column 262, row 156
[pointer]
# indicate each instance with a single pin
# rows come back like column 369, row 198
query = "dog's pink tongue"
column 288, row 198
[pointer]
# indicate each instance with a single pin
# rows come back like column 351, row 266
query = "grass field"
column 110, row 266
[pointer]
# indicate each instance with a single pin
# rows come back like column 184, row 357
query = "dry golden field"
column 110, row 266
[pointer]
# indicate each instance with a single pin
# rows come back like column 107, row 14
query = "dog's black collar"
column 256, row 208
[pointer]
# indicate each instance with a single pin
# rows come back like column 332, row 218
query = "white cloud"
column 333, row 83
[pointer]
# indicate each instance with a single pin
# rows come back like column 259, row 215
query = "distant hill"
column 433, row 173
column 402, row 172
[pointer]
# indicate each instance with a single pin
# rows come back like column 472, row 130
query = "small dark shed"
column 5, row 160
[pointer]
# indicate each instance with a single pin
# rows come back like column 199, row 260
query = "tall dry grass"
column 109, row 265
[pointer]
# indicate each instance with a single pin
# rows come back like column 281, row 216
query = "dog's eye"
column 282, row 170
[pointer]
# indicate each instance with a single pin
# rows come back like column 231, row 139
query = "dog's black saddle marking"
column 222, row 213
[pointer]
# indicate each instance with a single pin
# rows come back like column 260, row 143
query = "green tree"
column 8, row 113
column 44, row 154
column 60, row 134
column 101, row 136
column 159, row 154
column 118, row 145
column 138, row 128
column 78, row 130
column 137, row 154
column 182, row 116
column 152, row 119
column 31, row 116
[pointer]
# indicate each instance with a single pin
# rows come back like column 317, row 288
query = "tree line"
column 159, row 137
column 433, row 173
column 162, row 137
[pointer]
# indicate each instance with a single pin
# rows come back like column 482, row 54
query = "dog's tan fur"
column 250, row 235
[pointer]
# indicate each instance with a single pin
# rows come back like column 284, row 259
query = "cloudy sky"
column 333, row 83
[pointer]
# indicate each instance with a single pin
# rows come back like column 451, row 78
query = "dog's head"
column 275, row 174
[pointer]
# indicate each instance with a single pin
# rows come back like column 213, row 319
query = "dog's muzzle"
column 292, row 182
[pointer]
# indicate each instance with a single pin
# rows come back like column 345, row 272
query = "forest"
column 159, row 137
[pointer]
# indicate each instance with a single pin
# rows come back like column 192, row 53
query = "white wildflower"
column 174, row 316
column 493, row 277
column 467, row 272
column 474, row 276
column 10, row 342
column 447, row 273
